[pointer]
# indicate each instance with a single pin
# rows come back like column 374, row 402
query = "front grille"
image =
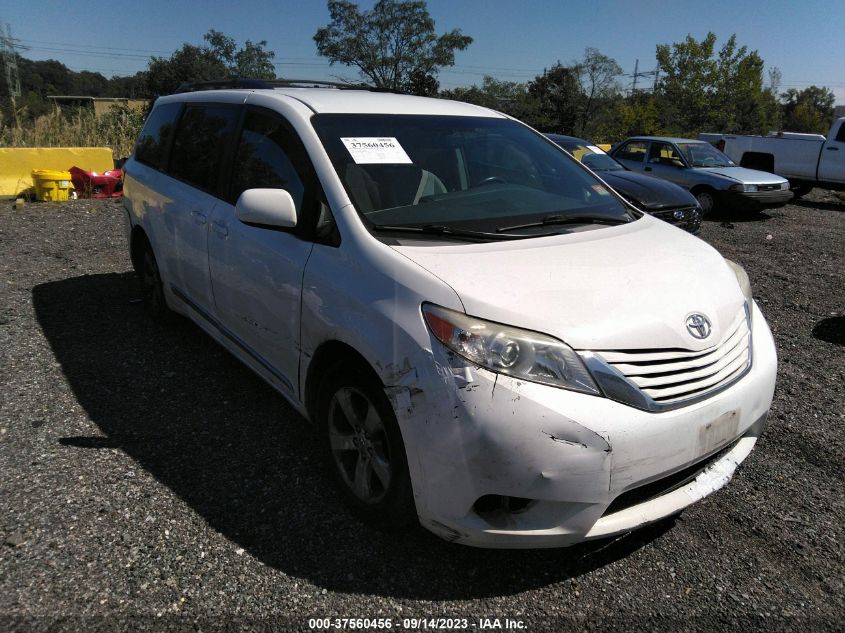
column 663, row 486
column 690, row 220
column 768, row 187
column 672, row 375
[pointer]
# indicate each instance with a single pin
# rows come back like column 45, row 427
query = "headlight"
column 509, row 350
column 744, row 284
column 743, row 188
column 784, row 186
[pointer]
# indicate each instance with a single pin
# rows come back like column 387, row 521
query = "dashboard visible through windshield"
column 462, row 177
column 704, row 155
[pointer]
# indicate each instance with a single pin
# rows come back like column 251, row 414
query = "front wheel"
column 365, row 449
column 707, row 201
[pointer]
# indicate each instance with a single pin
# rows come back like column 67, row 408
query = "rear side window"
column 635, row 150
column 151, row 148
column 200, row 144
column 840, row 135
column 267, row 157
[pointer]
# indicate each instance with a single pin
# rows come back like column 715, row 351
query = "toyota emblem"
column 698, row 325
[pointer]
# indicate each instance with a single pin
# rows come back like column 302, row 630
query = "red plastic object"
column 90, row 184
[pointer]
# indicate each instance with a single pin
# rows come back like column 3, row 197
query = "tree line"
column 394, row 45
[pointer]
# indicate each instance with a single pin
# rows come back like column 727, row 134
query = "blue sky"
column 513, row 40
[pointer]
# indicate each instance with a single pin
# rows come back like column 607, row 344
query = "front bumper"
column 758, row 199
column 564, row 457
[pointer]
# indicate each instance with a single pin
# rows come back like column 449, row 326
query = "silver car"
column 713, row 178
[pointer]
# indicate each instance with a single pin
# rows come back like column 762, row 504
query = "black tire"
column 152, row 291
column 707, row 199
column 800, row 190
column 364, row 448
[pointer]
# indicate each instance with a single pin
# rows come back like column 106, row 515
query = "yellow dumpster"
column 51, row 186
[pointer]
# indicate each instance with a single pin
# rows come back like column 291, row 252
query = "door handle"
column 221, row 229
column 832, row 149
column 199, row 218
column 647, row 169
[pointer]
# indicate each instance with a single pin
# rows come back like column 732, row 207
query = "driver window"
column 664, row 154
column 263, row 160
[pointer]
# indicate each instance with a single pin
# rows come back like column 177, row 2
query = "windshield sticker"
column 599, row 189
column 597, row 150
column 368, row 150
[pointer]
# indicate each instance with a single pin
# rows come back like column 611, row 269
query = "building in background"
column 101, row 105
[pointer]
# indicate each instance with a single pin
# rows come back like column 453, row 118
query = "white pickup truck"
column 806, row 160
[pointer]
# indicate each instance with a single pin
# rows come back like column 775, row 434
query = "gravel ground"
column 149, row 481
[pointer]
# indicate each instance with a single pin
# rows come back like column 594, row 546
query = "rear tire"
column 152, row 290
column 364, row 447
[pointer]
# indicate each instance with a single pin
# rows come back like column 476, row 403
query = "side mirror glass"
column 266, row 207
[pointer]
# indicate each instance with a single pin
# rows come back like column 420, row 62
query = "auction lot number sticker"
column 417, row 624
column 372, row 150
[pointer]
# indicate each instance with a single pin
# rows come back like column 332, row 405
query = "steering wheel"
column 708, row 162
column 489, row 180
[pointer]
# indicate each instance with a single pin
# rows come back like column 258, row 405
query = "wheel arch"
column 328, row 354
column 762, row 161
column 137, row 241
column 695, row 190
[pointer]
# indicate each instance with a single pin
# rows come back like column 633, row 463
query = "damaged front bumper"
column 499, row 462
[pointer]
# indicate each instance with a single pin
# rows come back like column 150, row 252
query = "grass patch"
column 117, row 129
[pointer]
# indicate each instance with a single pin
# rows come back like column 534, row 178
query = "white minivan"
column 490, row 339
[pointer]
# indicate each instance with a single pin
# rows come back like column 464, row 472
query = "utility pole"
column 10, row 61
column 637, row 74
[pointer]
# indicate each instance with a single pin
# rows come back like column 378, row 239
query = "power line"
column 90, row 50
column 90, row 46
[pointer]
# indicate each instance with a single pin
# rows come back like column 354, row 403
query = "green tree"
column 771, row 113
column 89, row 84
column 250, row 61
column 189, row 63
column 219, row 59
column 700, row 89
column 510, row 97
column 634, row 116
column 809, row 110
column 687, row 78
column 597, row 77
column 394, row 45
column 559, row 98
column 133, row 86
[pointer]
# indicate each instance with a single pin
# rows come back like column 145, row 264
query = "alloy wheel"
column 359, row 444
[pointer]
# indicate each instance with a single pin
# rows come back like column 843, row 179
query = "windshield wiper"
column 439, row 229
column 565, row 219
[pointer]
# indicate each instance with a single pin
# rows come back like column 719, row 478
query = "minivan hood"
column 744, row 175
column 619, row 288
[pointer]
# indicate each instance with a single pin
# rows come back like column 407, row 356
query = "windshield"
column 467, row 173
column 599, row 161
column 704, row 155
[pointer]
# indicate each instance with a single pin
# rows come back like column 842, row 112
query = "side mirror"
column 266, row 207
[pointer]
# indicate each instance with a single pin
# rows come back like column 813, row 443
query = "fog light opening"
column 492, row 504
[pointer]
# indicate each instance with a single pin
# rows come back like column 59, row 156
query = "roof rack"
column 269, row 84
